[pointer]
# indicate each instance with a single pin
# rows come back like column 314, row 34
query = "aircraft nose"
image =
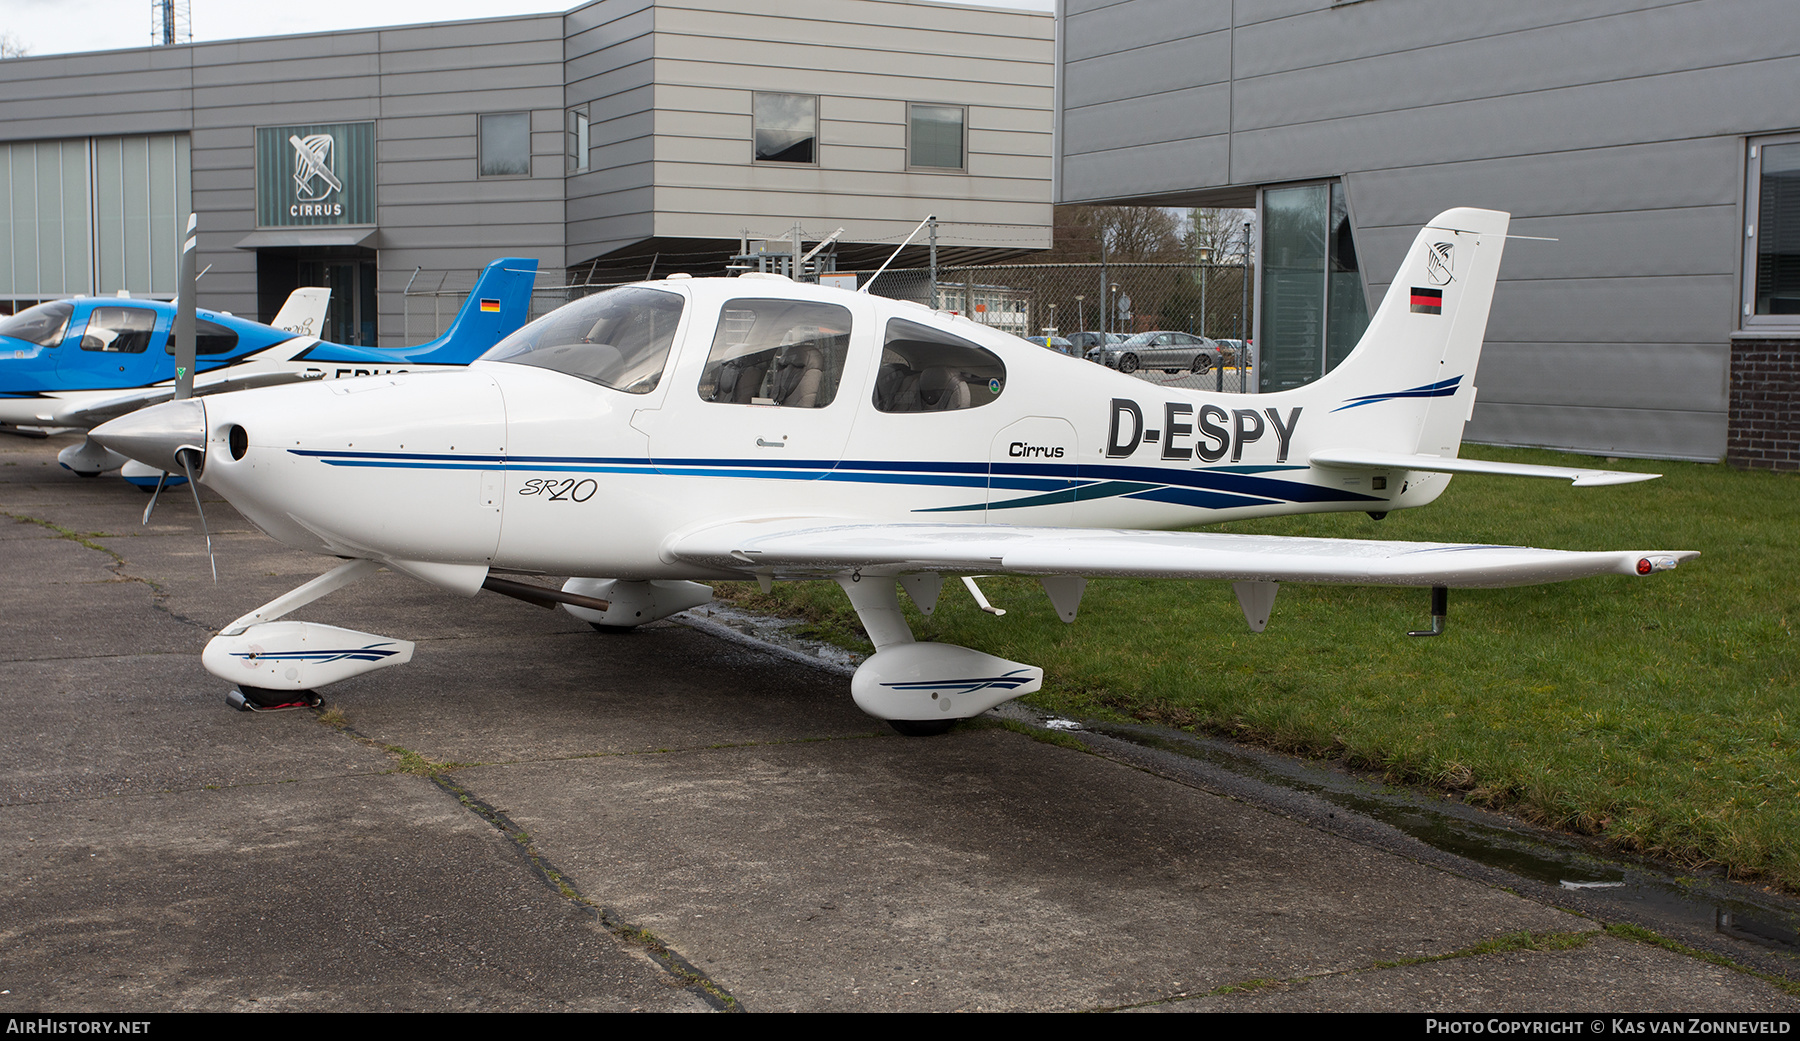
column 154, row 435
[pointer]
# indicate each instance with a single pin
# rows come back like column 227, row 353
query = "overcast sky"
column 61, row 26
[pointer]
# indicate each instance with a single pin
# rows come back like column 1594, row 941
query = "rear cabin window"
column 789, row 353
column 619, row 338
column 209, row 338
column 119, row 330
column 928, row 370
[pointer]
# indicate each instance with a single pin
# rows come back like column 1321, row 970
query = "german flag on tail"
column 1427, row 301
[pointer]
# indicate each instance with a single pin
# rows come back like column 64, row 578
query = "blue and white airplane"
column 80, row 362
column 654, row 437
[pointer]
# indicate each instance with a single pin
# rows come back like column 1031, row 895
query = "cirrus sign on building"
column 321, row 173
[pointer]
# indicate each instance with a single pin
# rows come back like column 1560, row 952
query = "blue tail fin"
column 498, row 305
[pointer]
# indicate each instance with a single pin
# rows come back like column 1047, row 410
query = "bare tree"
column 1221, row 231
column 1131, row 233
column 11, row 46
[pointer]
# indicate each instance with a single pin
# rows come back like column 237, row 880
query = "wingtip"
column 1599, row 478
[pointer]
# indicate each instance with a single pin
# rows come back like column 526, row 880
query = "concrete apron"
column 533, row 816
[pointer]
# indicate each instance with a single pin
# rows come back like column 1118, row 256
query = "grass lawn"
column 1652, row 711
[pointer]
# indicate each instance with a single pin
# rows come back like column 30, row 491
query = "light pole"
column 1080, row 313
column 1205, row 258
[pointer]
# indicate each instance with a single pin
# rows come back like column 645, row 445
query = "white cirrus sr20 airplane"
column 654, row 437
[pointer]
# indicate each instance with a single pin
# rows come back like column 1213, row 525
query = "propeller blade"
column 160, row 481
column 185, row 348
column 188, row 466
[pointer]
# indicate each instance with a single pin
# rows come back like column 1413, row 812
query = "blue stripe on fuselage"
column 1217, row 488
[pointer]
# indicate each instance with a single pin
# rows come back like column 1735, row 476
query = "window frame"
column 481, row 135
column 962, row 139
column 816, row 149
column 1748, row 319
column 579, row 138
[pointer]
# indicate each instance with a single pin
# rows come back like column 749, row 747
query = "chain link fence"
column 1117, row 300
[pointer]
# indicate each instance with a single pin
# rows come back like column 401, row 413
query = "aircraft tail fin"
column 498, row 305
column 1424, row 342
column 304, row 312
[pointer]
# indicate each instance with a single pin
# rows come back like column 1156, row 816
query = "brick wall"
column 1764, row 428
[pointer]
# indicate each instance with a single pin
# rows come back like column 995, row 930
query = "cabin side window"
column 119, row 330
column 209, row 338
column 928, row 370
column 777, row 352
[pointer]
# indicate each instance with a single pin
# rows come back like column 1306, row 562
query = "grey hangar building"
column 1656, row 142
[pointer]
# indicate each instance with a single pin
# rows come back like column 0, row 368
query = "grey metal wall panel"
column 1670, row 376
column 1165, row 167
column 1151, row 23
column 1175, row 115
column 1308, row 33
column 614, row 204
column 680, row 30
column 1574, row 53
column 478, row 238
column 689, row 207
column 888, row 14
column 297, row 69
column 475, row 56
column 849, row 82
column 1629, row 432
column 594, row 27
column 600, row 88
column 1133, row 75
column 612, row 160
column 1680, row 309
column 472, row 33
column 597, row 75
column 1623, row 178
column 1673, row 242
column 1735, row 99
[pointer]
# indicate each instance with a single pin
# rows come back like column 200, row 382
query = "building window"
column 1313, row 306
column 1772, row 247
column 578, row 138
column 787, row 128
column 506, row 144
column 934, row 138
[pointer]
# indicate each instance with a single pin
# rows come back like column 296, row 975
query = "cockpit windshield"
column 619, row 338
column 43, row 325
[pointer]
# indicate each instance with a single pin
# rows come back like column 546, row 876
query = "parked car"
column 1086, row 342
column 1237, row 352
column 1056, row 343
column 1162, row 349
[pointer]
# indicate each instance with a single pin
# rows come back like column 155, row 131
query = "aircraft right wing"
column 813, row 548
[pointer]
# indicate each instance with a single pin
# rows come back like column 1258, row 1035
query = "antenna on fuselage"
column 884, row 266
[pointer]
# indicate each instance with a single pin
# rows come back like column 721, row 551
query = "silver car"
column 1165, row 350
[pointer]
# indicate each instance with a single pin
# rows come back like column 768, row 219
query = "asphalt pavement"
column 532, row 816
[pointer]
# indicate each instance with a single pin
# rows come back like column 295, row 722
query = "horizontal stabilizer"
column 1351, row 459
